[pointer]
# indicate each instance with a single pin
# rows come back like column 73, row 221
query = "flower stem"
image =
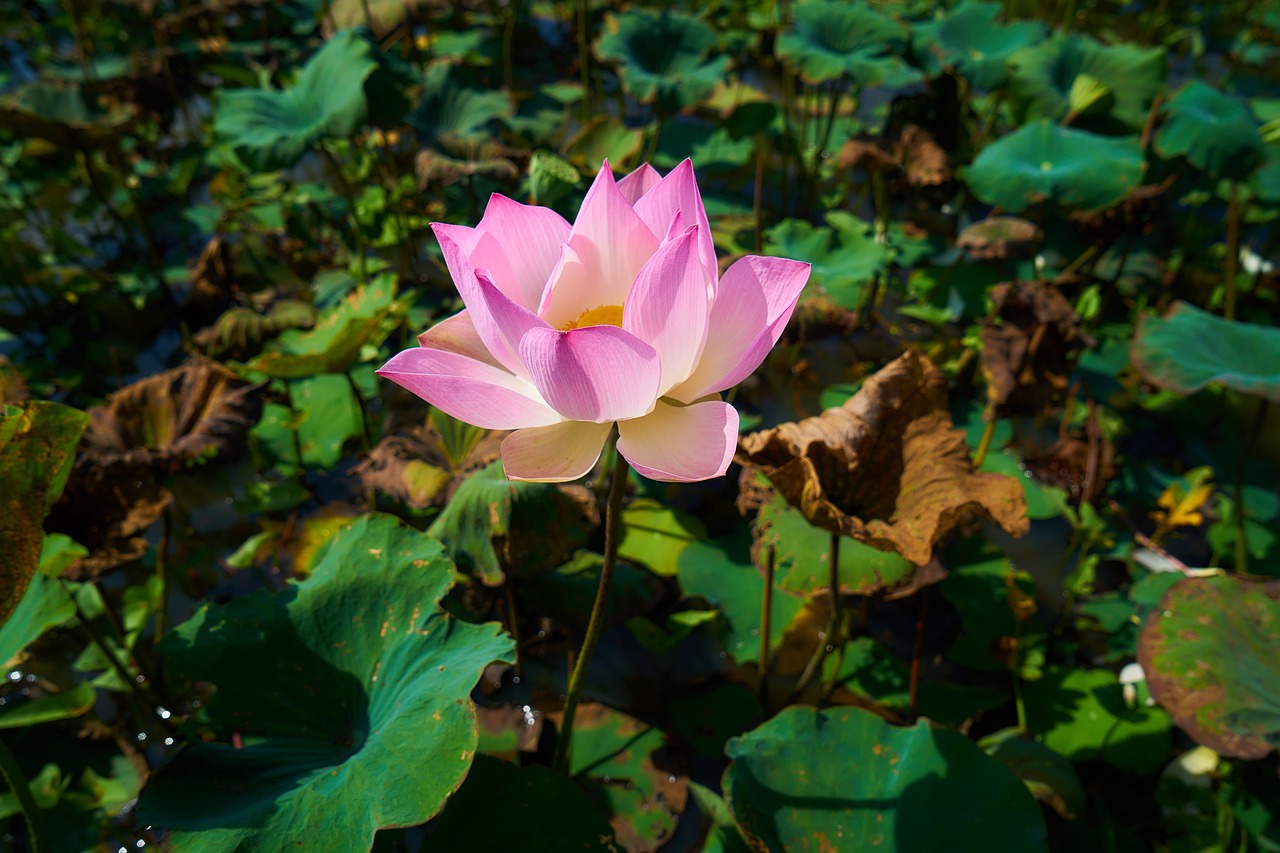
column 766, row 626
column 37, row 835
column 612, row 535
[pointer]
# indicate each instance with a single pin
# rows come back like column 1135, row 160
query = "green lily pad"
column 350, row 691
column 1214, row 131
column 614, row 759
column 37, row 446
column 1109, row 88
column 1209, row 655
column 271, row 129
column 1048, row 776
column 46, row 603
column 845, row 257
column 330, row 417
column 552, row 813
column 803, row 553
column 362, row 319
column 603, row 138
column 1042, row 161
column 492, row 522
column 723, row 837
column 1081, row 715
column 721, row 571
column 654, row 535
column 59, row 706
column 844, row 779
column 662, row 57
column 968, row 41
column 1188, row 349
column 829, row 40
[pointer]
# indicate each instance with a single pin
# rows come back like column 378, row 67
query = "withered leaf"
column 998, row 237
column 12, row 386
column 1136, row 214
column 913, row 154
column 462, row 158
column 416, row 469
column 886, row 468
column 168, row 421
column 108, row 513
column 211, row 282
column 1030, row 344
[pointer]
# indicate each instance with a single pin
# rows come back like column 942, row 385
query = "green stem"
column 766, row 623
column 828, row 642
column 1233, row 251
column 584, row 60
column 37, row 836
column 1242, row 546
column 577, row 679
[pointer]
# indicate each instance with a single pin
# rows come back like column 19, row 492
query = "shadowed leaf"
column 1214, row 131
column 844, row 779
column 663, row 57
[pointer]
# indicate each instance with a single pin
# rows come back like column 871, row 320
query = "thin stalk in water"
column 578, row 678
column 1233, row 251
column 766, row 623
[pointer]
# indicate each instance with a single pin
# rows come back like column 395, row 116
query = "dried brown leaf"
column 922, row 158
column 998, row 237
column 415, row 468
column 887, row 467
column 1030, row 344
column 163, row 423
column 13, row 387
column 1135, row 215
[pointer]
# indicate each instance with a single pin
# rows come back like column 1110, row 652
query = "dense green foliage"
column 256, row 598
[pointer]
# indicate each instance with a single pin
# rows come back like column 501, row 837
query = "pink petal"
column 457, row 334
column 556, row 453
column 681, row 444
column 530, row 238
column 469, row 390
column 569, row 291
column 596, row 373
column 678, row 193
column 753, row 303
column 501, row 323
column 639, row 182
column 468, row 249
column 668, row 307
column 612, row 241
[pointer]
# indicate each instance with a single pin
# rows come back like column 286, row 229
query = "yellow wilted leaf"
column 1180, row 503
column 1022, row 605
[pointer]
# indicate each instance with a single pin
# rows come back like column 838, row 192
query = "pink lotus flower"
column 620, row 318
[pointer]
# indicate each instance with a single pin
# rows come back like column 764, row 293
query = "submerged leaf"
column 887, row 467
column 350, row 691
column 1208, row 652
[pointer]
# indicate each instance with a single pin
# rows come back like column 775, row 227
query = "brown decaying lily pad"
column 1135, row 215
column 414, row 468
column 998, row 237
column 887, row 467
column 148, row 430
column 1029, row 348
column 168, row 421
column 914, row 153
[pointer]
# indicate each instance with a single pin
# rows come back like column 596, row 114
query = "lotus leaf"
column 552, row 812
column 1102, row 87
column 271, row 129
column 845, row 779
column 663, row 57
column 1042, row 161
column 450, row 108
column 845, row 256
column 1209, row 655
column 61, row 114
column 968, row 41
column 1188, row 349
column 350, row 691
column 37, row 446
column 887, row 467
column 492, row 522
column 830, row 40
column 1214, row 131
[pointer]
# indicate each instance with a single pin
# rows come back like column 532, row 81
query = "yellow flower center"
column 603, row 315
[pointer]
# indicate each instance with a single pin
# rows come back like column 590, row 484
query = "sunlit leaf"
column 1209, row 655
column 1042, row 161
column 349, row 690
